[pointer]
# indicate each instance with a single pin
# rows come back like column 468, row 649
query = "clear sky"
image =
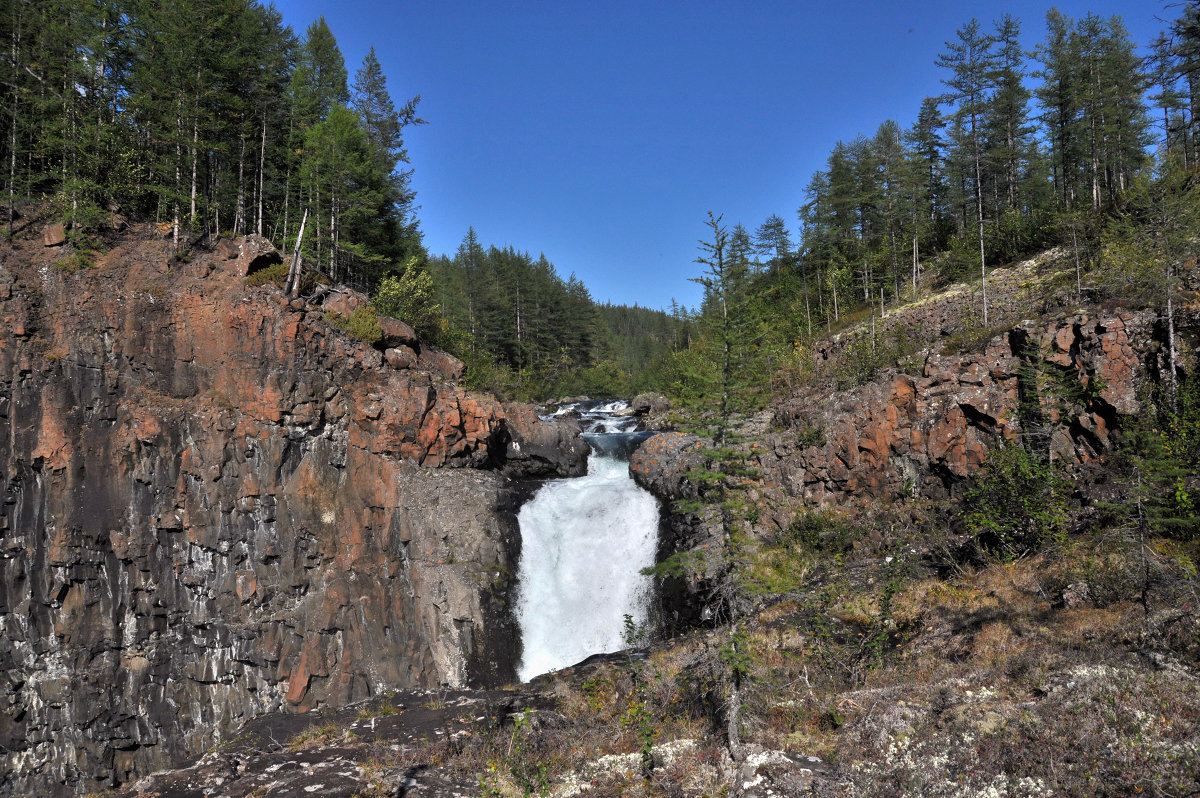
column 601, row 132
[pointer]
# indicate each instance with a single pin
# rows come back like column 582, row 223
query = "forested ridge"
column 214, row 118
column 1081, row 148
column 240, row 126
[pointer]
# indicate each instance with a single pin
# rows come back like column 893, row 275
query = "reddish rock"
column 55, row 235
column 400, row 357
column 254, row 253
column 442, row 363
column 396, row 332
column 344, row 301
column 928, row 435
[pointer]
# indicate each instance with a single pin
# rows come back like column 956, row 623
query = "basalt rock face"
column 1062, row 386
column 540, row 449
column 216, row 505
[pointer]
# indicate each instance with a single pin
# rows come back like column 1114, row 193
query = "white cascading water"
column 584, row 542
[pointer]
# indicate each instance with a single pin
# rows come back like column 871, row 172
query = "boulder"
column 439, row 362
column 663, row 462
column 400, row 357
column 645, row 403
column 54, row 235
column 538, row 448
column 344, row 301
column 766, row 773
column 396, row 332
column 254, row 254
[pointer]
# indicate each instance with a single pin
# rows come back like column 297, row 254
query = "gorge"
column 235, row 536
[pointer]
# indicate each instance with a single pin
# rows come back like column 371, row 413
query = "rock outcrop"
column 539, row 449
column 1065, row 385
column 216, row 504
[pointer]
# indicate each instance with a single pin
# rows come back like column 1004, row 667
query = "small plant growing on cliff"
column 810, row 435
column 315, row 735
column 74, row 261
column 361, row 325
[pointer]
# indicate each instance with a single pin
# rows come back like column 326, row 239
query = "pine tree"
column 1009, row 134
column 319, row 79
column 1058, row 96
column 1164, row 72
column 728, row 335
column 926, row 196
column 1186, row 32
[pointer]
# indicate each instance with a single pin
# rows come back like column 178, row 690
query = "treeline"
column 527, row 332
column 991, row 169
column 209, row 117
column 213, row 118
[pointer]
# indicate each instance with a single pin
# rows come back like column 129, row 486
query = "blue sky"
column 601, row 133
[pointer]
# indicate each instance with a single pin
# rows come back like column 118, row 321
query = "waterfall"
column 583, row 543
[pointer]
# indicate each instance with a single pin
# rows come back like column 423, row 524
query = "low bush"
column 1017, row 505
column 361, row 325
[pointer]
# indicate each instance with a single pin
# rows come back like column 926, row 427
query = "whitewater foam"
column 583, row 543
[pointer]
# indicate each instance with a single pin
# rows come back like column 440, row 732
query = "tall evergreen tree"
column 972, row 74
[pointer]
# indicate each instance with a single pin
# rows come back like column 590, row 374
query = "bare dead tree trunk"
column 178, row 175
column 1078, row 276
column 292, row 287
column 979, row 215
column 239, row 212
column 262, row 160
column 195, row 147
column 1172, row 387
column 915, row 266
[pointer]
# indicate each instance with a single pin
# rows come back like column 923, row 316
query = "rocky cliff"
column 216, row 504
column 1062, row 385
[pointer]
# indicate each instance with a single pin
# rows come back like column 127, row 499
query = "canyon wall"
column 216, row 505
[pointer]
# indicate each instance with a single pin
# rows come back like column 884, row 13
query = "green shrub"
column 810, row 435
column 1017, row 505
column 362, row 324
column 74, row 261
column 408, row 295
column 822, row 533
column 275, row 274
